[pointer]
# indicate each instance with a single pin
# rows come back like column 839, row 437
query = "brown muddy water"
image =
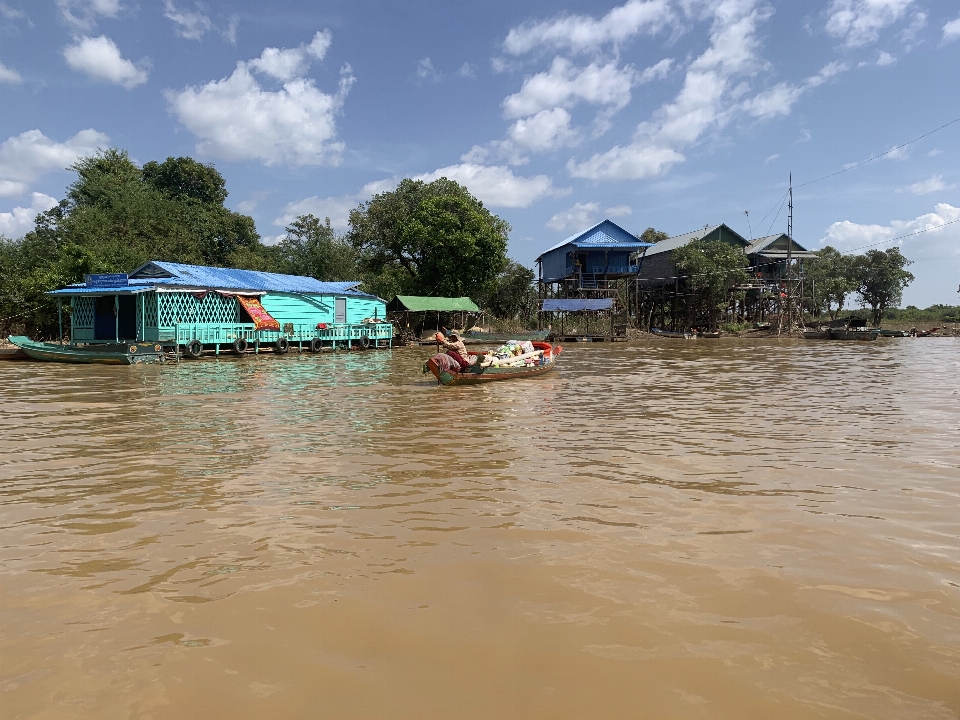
column 709, row 529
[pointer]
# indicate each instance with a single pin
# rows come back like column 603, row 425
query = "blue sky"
column 666, row 113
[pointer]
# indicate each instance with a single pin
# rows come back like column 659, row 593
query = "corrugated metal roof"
column 760, row 243
column 612, row 236
column 418, row 303
column 576, row 304
column 167, row 274
column 678, row 241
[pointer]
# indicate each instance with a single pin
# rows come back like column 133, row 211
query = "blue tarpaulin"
column 576, row 305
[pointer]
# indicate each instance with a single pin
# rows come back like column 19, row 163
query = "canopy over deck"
column 576, row 304
column 419, row 303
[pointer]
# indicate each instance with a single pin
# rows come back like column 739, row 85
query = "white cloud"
column 579, row 217
column 619, row 211
column 496, row 185
column 951, row 30
column 11, row 13
column 337, row 208
column 426, row 72
column 655, row 72
column 582, row 33
column 885, row 59
column 17, row 222
column 859, row 22
column 100, row 58
column 27, row 156
column 288, row 63
column 189, row 25
column 545, row 131
column 779, row 99
column 82, row 14
column 935, row 243
column 771, row 158
column 565, row 85
column 230, row 32
column 467, row 70
column 237, row 119
column 925, row 187
column 701, row 104
column 9, row 75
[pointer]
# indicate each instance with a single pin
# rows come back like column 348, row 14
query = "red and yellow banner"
column 262, row 320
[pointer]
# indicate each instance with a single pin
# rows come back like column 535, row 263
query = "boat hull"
column 478, row 376
column 845, row 334
column 48, row 352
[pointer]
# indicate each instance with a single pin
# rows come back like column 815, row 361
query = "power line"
column 900, row 237
column 877, row 157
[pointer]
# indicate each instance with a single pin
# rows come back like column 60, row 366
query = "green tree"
column 833, row 280
column 712, row 269
column 116, row 216
column 512, row 295
column 651, row 235
column 312, row 248
column 881, row 278
column 429, row 239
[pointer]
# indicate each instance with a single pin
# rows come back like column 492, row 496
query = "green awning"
column 416, row 303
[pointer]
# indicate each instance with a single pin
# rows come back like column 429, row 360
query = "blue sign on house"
column 107, row 280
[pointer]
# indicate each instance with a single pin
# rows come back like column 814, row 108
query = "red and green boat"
column 476, row 374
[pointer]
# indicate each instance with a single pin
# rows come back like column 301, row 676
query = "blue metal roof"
column 157, row 273
column 576, row 304
column 604, row 235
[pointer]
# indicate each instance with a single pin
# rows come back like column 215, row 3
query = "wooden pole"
column 116, row 318
column 60, row 318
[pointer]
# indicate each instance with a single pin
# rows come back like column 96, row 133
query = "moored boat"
column 104, row 354
column 546, row 360
column 671, row 334
column 853, row 334
column 816, row 334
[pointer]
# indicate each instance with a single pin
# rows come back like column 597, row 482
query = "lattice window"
column 179, row 308
column 83, row 311
column 149, row 318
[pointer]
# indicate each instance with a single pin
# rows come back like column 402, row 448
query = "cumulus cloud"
column 237, row 119
column 565, row 85
column 582, row 33
column 937, row 240
column 100, row 58
column 27, row 156
column 930, row 185
column 9, row 75
column 467, row 70
column 859, row 22
column 20, row 220
column 951, row 30
column 82, row 14
column 579, row 217
column 545, row 131
column 779, row 99
column 426, row 72
column 701, row 104
column 619, row 211
column 337, row 208
column 188, row 25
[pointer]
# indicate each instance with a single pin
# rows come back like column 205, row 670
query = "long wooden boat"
column 671, row 334
column 106, row 354
column 476, row 375
column 850, row 334
column 472, row 337
column 891, row 333
column 927, row 333
column 816, row 334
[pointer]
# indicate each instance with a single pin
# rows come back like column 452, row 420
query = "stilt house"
column 592, row 259
column 659, row 266
column 193, row 306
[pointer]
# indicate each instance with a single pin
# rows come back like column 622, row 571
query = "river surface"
column 707, row 529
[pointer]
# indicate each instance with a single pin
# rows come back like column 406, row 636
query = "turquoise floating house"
column 197, row 308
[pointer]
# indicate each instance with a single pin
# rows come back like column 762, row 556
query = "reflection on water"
column 677, row 529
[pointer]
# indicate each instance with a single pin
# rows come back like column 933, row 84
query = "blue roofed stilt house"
column 600, row 263
column 196, row 308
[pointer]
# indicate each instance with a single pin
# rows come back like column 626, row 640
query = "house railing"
column 334, row 333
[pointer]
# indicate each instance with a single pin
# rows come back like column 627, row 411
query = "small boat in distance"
column 545, row 362
column 671, row 334
column 853, row 334
column 112, row 354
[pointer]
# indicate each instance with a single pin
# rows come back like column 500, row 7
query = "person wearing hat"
column 454, row 344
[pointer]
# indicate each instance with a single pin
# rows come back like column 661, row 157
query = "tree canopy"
column 652, row 235
column 312, row 248
column 833, row 280
column 881, row 278
column 711, row 268
column 429, row 239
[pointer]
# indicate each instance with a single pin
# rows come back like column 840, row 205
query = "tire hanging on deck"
column 193, row 349
column 240, row 346
column 282, row 345
column 364, row 342
column 316, row 345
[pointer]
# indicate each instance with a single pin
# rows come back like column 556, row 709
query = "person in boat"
column 455, row 348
